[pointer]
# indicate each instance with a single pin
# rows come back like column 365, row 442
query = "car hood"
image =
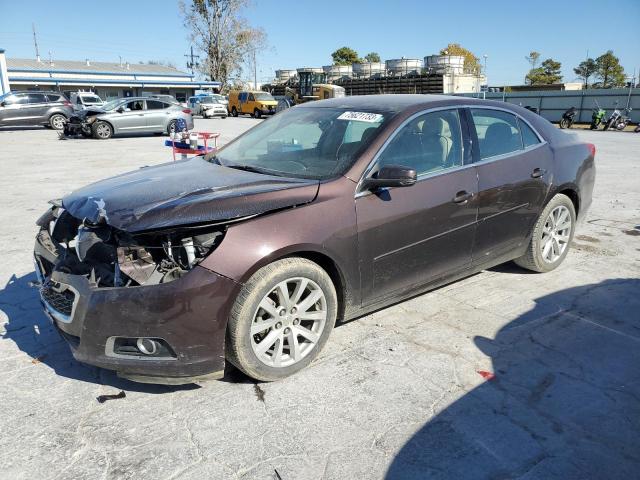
column 186, row 192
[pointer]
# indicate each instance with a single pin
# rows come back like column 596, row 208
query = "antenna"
column 193, row 63
column 35, row 41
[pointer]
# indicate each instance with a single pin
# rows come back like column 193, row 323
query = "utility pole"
column 192, row 63
column 486, row 78
column 35, row 41
column 255, row 71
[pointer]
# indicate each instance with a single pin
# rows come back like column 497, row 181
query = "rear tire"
column 171, row 128
column 257, row 113
column 57, row 121
column 564, row 123
column 286, row 324
column 547, row 237
column 234, row 112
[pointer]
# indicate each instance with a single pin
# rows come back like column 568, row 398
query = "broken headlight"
column 109, row 257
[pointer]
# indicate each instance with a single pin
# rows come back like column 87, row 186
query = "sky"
column 305, row 32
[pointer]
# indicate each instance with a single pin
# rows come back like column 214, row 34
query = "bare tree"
column 223, row 36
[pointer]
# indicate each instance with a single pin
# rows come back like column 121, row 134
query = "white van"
column 82, row 100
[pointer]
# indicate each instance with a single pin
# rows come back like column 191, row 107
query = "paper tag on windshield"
column 361, row 117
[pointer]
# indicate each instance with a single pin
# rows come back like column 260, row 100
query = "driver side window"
column 429, row 143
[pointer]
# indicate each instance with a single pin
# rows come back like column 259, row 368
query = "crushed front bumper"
column 190, row 314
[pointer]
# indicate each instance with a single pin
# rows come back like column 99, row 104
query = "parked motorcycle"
column 597, row 116
column 618, row 119
column 567, row 117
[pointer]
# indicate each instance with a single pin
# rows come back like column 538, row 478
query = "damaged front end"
column 109, row 257
column 136, row 303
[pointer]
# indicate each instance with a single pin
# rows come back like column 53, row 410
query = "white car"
column 209, row 107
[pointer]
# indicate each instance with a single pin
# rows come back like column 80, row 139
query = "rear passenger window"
column 497, row 131
column 36, row 98
column 529, row 138
column 428, row 143
column 54, row 97
column 155, row 105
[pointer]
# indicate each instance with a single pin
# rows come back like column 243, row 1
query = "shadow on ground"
column 564, row 403
column 32, row 332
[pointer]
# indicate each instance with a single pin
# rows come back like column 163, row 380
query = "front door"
column 411, row 236
column 15, row 110
column 514, row 168
column 132, row 119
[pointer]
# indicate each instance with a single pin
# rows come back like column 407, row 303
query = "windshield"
column 263, row 96
column 208, row 100
column 110, row 105
column 301, row 142
column 91, row 100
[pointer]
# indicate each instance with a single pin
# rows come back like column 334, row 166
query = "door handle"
column 538, row 172
column 462, row 197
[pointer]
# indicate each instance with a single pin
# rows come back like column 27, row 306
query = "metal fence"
column 552, row 104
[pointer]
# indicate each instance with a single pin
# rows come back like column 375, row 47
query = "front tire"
column 57, row 121
column 102, row 130
column 564, row 123
column 552, row 236
column 234, row 112
column 257, row 113
column 281, row 319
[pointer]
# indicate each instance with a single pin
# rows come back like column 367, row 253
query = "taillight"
column 67, row 103
column 592, row 149
column 186, row 110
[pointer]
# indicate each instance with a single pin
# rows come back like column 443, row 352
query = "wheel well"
column 573, row 195
column 329, row 266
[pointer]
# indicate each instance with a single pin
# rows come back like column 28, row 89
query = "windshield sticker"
column 361, row 117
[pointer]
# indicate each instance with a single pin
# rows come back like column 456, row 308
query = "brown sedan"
column 325, row 212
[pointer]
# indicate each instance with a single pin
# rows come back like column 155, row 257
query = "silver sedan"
column 139, row 114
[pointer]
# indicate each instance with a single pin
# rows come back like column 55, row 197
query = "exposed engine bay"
column 109, row 257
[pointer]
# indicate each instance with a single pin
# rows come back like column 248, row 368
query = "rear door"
column 411, row 236
column 38, row 108
column 514, row 174
column 157, row 114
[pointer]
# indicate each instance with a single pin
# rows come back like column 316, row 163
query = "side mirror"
column 120, row 110
column 391, row 176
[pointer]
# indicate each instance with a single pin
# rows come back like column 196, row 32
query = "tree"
column 224, row 38
column 533, row 58
column 471, row 62
column 372, row 57
column 609, row 71
column 345, row 56
column 545, row 74
column 585, row 70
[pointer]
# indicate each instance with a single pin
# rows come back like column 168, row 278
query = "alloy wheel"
column 57, row 122
column 555, row 234
column 288, row 322
column 103, row 130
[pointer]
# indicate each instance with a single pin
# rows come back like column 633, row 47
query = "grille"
column 60, row 301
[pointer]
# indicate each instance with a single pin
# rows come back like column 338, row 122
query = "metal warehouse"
column 109, row 80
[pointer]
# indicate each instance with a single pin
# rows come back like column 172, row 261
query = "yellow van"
column 254, row 103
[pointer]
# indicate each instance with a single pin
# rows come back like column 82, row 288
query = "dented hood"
column 185, row 192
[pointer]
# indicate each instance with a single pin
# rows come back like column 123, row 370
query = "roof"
column 392, row 103
column 27, row 64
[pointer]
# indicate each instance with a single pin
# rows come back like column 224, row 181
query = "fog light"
column 140, row 347
column 147, row 346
